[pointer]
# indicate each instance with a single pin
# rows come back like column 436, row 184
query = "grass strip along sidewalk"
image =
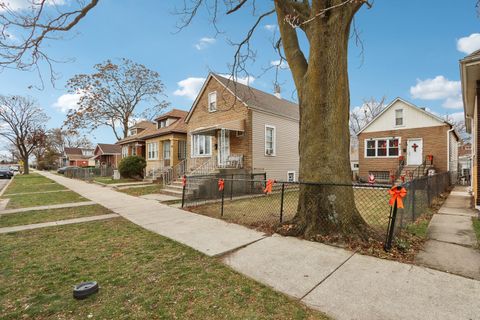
column 141, row 191
column 34, row 183
column 39, row 216
column 141, row 276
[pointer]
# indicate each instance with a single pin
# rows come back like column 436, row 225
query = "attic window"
column 133, row 132
column 162, row 123
column 399, row 117
column 212, row 101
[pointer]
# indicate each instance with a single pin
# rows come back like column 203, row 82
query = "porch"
column 222, row 146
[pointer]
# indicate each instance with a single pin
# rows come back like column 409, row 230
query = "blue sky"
column 411, row 50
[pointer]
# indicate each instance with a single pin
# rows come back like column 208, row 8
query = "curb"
column 6, row 186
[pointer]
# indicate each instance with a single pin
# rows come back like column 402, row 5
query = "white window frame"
column 212, row 98
column 152, row 153
column 168, row 150
column 124, row 151
column 376, row 147
column 159, row 126
column 195, row 147
column 403, row 118
column 274, row 142
column 294, row 176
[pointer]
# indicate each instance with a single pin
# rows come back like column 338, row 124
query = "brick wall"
column 228, row 109
column 434, row 143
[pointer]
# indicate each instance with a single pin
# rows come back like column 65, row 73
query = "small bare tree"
column 115, row 95
column 361, row 116
column 22, row 122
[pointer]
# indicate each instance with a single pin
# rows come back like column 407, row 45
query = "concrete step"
column 171, row 192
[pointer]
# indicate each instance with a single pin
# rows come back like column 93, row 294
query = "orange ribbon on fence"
column 221, row 184
column 184, row 181
column 268, row 186
column 397, row 194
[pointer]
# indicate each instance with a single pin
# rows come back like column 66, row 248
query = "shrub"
column 132, row 167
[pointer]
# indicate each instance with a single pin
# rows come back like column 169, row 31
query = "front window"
column 134, row 151
column 152, row 151
column 269, row 140
column 166, row 150
column 124, row 151
column 387, row 147
column 202, row 145
column 399, row 117
column 212, row 101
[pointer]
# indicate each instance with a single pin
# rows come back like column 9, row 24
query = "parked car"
column 63, row 169
column 5, row 172
column 14, row 168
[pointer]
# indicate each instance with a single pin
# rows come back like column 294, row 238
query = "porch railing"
column 233, row 161
column 170, row 174
column 205, row 168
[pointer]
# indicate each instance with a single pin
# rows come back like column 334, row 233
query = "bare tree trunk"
column 324, row 147
column 26, row 168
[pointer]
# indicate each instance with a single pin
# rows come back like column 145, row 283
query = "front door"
column 223, row 141
column 414, row 152
column 166, row 153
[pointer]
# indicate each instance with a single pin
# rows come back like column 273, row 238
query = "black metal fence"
column 248, row 200
column 421, row 193
column 88, row 173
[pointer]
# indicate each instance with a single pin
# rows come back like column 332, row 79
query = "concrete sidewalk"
column 208, row 235
column 452, row 242
column 336, row 281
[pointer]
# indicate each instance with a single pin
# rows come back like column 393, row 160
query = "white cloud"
column 204, row 42
column 189, row 87
column 439, row 88
column 247, row 80
column 270, row 27
column 469, row 44
column 453, row 103
column 67, row 102
column 282, row 65
column 16, row 5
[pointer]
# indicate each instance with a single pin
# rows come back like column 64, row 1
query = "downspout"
column 448, row 148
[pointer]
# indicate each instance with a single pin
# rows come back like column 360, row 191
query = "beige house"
column 232, row 126
column 404, row 138
column 166, row 143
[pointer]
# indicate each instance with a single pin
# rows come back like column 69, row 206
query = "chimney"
column 276, row 91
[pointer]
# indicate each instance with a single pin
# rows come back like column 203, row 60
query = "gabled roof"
column 106, row 148
column 72, row 151
column 409, row 104
column 174, row 113
column 252, row 98
column 148, row 126
column 178, row 126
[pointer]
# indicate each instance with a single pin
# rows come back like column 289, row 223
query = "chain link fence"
column 88, row 173
column 243, row 199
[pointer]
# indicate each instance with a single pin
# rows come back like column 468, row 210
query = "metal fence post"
column 281, row 202
column 391, row 227
column 231, row 189
column 184, row 183
column 223, row 198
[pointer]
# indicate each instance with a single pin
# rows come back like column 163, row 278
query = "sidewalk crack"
column 328, row 276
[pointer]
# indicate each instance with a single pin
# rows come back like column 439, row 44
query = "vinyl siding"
column 286, row 141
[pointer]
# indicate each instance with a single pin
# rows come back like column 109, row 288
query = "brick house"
column 134, row 143
column 405, row 132
column 167, row 143
column 107, row 155
column 79, row 157
column 232, row 126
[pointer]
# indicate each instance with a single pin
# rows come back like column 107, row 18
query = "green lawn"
column 32, row 183
column 140, row 191
column 109, row 180
column 476, row 227
column 30, row 217
column 265, row 209
column 42, row 199
column 141, row 276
